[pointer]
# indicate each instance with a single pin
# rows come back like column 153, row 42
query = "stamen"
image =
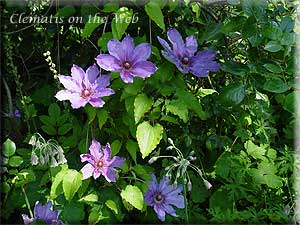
column 126, row 65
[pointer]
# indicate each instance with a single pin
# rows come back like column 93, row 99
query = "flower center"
column 86, row 93
column 127, row 65
column 99, row 164
column 185, row 60
column 158, row 199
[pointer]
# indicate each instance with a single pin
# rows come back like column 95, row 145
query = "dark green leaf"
column 233, row 94
column 275, row 85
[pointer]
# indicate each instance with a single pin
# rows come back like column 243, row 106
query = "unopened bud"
column 32, row 140
column 192, row 153
column 207, row 184
column 152, row 160
column 169, row 148
column 34, row 159
column 189, row 186
column 170, row 141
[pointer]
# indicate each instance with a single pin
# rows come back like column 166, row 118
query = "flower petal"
column 87, row 171
column 108, row 62
column 164, row 183
column 96, row 173
column 103, row 92
column 169, row 209
column 96, row 102
column 26, row 219
column 87, row 158
column 115, row 49
column 143, row 69
column 160, row 212
column 177, row 201
column 126, row 76
column 141, row 52
column 164, row 44
column 77, row 102
column 95, row 148
column 92, row 73
column 77, row 73
column 128, row 47
column 117, row 161
column 177, row 41
column 103, row 81
column 69, row 83
column 191, row 45
column 64, row 95
column 106, row 152
column 109, row 174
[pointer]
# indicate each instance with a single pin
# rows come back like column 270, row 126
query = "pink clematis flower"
column 100, row 162
column 83, row 88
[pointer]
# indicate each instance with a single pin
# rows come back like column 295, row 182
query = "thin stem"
column 185, row 204
column 138, row 179
column 87, row 137
column 150, row 32
column 10, row 105
column 27, row 202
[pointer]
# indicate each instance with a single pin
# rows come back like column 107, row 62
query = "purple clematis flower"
column 43, row 213
column 100, row 163
column 161, row 196
column 130, row 61
column 17, row 114
column 184, row 55
column 83, row 88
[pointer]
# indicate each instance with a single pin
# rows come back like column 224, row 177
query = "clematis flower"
column 162, row 196
column 83, row 88
column 43, row 213
column 17, row 114
column 100, row 162
column 184, row 55
column 127, row 59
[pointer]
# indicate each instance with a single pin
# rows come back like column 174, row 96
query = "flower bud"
column 189, row 186
column 170, row 141
column 207, row 184
column 152, row 160
column 169, row 148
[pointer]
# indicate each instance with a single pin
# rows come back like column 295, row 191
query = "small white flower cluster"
column 51, row 64
column 44, row 152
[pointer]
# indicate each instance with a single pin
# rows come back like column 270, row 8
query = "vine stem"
column 185, row 204
column 27, row 202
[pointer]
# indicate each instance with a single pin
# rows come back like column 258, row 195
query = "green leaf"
column 25, row 176
column 153, row 10
column 112, row 205
column 49, row 130
column 132, row 147
column 65, row 128
column 235, row 68
column 178, row 108
column 73, row 213
column 89, row 198
column 15, row 161
column 192, row 102
column 255, row 151
column 275, row 85
column 272, row 180
column 202, row 92
column 9, row 148
column 54, row 110
column 91, row 25
column 134, row 196
column 255, row 8
column 115, row 147
column 66, row 11
column 102, row 116
column 95, row 215
column 273, row 46
column 102, row 41
column 148, row 137
column 71, row 183
column 55, row 189
column 91, row 113
column 47, row 120
column 273, row 68
column 289, row 102
column 232, row 94
column 121, row 21
column 142, row 104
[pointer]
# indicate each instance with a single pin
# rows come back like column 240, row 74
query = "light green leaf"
column 71, row 183
column 9, row 148
column 121, row 21
column 255, row 151
column 112, row 205
column 275, row 85
column 178, row 108
column 142, row 104
column 55, row 190
column 89, row 198
column 148, row 137
column 272, row 180
column 134, row 196
column 15, row 161
column 102, row 41
column 154, row 12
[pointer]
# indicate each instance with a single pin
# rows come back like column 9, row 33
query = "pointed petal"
column 87, row 171
column 96, row 173
column 177, row 201
column 69, row 83
column 177, row 41
column 96, row 102
column 95, row 150
column 87, row 158
column 103, row 92
column 77, row 102
column 26, row 219
column 103, row 81
column 128, row 46
column 160, row 212
column 191, row 45
column 92, row 73
column 141, row 52
column 107, row 152
column 64, row 95
column 164, row 183
column 115, row 49
column 164, row 44
column 109, row 174
column 117, row 161
column 108, row 62
column 77, row 73
column 143, row 69
column 126, row 76
column 169, row 209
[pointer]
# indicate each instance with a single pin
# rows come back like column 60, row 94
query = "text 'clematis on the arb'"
column 100, row 163
column 43, row 213
column 184, row 55
column 162, row 196
column 83, row 88
column 127, row 59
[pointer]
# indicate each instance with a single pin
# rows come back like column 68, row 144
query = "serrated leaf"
column 112, row 205
column 255, row 151
column 71, row 183
column 142, row 104
column 134, row 196
column 153, row 10
column 275, row 85
column 148, row 137
column 179, row 109
column 121, row 21
column 89, row 198
column 9, row 148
